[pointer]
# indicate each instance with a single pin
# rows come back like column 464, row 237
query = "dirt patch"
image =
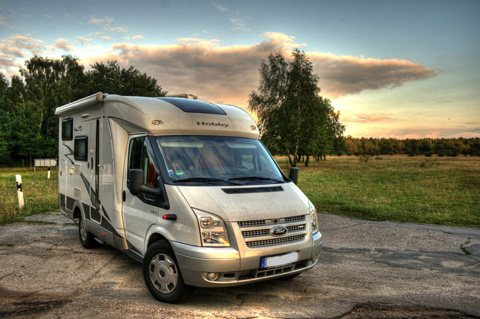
column 371, row 311
column 16, row 304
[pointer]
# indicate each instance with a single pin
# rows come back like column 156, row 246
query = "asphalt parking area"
column 367, row 270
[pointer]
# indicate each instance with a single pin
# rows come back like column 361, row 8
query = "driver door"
column 139, row 212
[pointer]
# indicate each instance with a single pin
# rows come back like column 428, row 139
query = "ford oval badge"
column 278, row 231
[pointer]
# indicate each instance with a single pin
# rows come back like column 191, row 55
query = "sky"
column 400, row 69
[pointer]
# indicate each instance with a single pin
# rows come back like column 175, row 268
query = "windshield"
column 218, row 160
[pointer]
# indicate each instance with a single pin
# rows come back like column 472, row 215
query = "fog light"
column 212, row 276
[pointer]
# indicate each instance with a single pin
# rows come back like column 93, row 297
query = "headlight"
column 313, row 217
column 212, row 230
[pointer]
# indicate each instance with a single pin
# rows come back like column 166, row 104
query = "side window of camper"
column 67, row 129
column 140, row 159
column 80, row 151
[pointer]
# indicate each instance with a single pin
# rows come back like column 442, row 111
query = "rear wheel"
column 86, row 238
column 162, row 274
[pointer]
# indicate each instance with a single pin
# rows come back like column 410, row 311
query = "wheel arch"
column 78, row 211
column 154, row 237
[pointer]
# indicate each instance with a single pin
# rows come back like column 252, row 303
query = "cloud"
column 16, row 49
column 342, row 75
column 105, row 20
column 137, row 37
column 84, row 40
column 239, row 24
column 284, row 42
column 63, row 44
column 35, row 46
column 115, row 29
column 366, row 118
column 12, row 51
column 220, row 7
column 197, row 66
column 417, row 132
column 229, row 73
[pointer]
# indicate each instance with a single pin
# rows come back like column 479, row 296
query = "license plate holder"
column 280, row 260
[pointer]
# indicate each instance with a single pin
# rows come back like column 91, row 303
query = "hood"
column 247, row 202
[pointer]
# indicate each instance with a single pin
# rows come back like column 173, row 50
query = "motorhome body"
column 185, row 187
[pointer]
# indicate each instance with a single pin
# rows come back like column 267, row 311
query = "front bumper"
column 223, row 267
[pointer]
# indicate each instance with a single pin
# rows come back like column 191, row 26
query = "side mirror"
column 293, row 175
column 136, row 186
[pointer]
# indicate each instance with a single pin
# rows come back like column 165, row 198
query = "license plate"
column 276, row 261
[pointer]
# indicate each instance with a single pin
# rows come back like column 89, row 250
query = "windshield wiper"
column 202, row 180
column 255, row 178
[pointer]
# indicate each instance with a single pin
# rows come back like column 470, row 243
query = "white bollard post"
column 48, row 174
column 18, row 179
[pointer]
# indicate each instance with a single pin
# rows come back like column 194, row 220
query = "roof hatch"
column 194, row 106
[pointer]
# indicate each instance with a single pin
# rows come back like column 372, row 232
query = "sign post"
column 43, row 162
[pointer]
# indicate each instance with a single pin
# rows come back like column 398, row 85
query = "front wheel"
column 162, row 274
column 86, row 238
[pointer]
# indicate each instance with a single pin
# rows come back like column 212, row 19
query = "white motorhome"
column 186, row 188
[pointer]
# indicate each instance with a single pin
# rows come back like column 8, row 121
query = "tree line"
column 28, row 125
column 412, row 147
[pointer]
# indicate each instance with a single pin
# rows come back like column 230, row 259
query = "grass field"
column 435, row 190
column 39, row 197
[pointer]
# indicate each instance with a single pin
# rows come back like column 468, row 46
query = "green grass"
column 40, row 197
column 436, row 190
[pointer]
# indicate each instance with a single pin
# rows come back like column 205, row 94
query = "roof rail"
column 184, row 96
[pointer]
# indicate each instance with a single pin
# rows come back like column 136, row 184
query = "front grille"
column 251, row 223
column 255, row 233
column 294, row 218
column 260, row 233
column 275, row 241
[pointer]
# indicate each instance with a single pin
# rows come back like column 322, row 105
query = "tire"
column 86, row 238
column 162, row 274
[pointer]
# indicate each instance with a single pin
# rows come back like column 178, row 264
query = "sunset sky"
column 403, row 69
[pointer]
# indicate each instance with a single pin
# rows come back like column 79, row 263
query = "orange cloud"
column 229, row 73
column 63, row 44
column 197, row 66
column 218, row 73
column 342, row 75
column 213, row 72
column 366, row 118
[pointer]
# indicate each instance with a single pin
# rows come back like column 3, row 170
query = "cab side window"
column 139, row 158
column 67, row 129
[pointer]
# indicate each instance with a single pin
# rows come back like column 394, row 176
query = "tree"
column 28, row 125
column 113, row 79
column 385, row 146
column 27, row 134
column 294, row 119
column 426, row 147
column 328, row 133
column 49, row 83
